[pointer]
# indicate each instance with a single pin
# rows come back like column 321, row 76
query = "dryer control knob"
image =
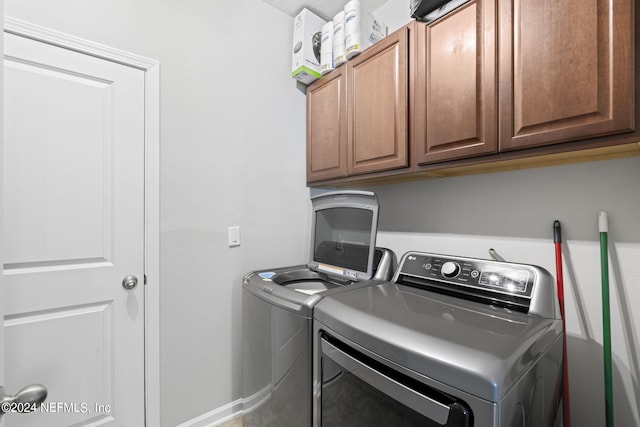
column 450, row 269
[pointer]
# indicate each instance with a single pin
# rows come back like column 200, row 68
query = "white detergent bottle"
column 339, row 56
column 326, row 48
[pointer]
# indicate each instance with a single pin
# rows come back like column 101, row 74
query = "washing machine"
column 450, row 341
column 277, row 306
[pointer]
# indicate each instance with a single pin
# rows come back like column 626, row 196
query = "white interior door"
column 73, row 205
column 1, row 210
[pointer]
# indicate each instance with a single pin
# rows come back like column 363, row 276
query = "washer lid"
column 343, row 234
column 474, row 347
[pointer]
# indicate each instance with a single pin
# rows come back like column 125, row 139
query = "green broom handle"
column 606, row 318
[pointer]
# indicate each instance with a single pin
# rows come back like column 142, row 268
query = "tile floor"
column 236, row 422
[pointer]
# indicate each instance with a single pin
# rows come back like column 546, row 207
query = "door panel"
column 67, row 158
column 566, row 70
column 456, row 91
column 73, row 190
column 378, row 106
column 81, row 331
column 327, row 127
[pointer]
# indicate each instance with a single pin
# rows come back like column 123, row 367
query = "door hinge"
column 145, row 279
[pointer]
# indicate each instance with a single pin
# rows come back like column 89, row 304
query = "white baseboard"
column 257, row 399
column 217, row 416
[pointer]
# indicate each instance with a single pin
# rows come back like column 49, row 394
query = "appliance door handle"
column 430, row 408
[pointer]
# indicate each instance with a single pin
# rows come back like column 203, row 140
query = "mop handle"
column 566, row 408
column 603, row 227
column 557, row 240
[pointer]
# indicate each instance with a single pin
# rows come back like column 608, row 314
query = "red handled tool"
column 557, row 240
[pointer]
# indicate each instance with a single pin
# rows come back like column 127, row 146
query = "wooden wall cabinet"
column 492, row 82
column 327, row 127
column 566, row 70
column 455, row 109
column 378, row 106
column 357, row 115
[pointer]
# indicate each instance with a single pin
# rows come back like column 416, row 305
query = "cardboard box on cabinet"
column 307, row 35
column 361, row 28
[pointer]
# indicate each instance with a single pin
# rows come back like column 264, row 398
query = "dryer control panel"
column 493, row 282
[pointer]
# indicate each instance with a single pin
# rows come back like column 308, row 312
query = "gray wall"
column 233, row 153
column 521, row 203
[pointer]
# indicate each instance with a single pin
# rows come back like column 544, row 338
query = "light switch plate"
column 234, row 236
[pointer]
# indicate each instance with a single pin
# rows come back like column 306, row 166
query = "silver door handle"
column 425, row 405
column 129, row 282
column 26, row 400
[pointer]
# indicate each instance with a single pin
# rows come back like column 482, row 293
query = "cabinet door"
column 455, row 97
column 566, row 70
column 327, row 127
column 378, row 106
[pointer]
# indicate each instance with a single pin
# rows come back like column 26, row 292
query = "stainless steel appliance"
column 450, row 341
column 277, row 307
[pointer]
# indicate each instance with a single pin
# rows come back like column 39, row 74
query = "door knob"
column 129, row 282
column 26, row 400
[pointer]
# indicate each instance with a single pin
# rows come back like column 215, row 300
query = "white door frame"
column 151, row 69
column 2, row 379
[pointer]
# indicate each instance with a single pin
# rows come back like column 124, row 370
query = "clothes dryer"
column 450, row 341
